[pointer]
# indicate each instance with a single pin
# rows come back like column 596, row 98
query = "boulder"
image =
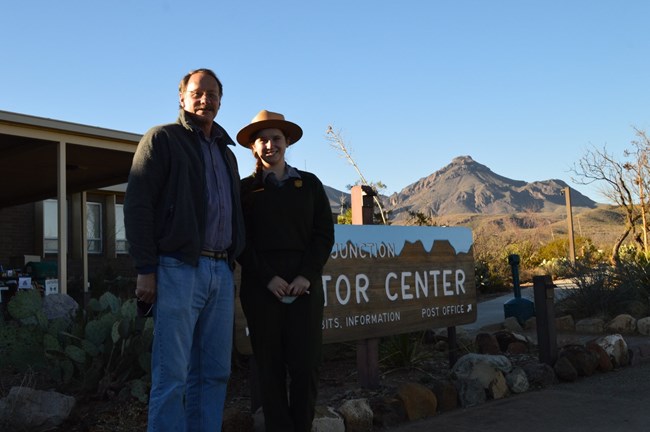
column 482, row 367
column 590, row 325
column 446, row 394
column 357, row 415
column 512, row 324
column 604, row 362
column 643, row 326
column 624, row 324
column 517, row 380
column 34, row 410
column 531, row 323
column 564, row 370
column 387, row 412
column 60, row 305
column 540, row 375
column 327, row 420
column 565, row 323
column 487, row 343
column 517, row 348
column 584, row 361
column 470, row 392
column 419, row 402
column 616, row 347
column 498, row 388
column 505, row 338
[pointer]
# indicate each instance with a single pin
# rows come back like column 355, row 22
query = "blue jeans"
column 190, row 365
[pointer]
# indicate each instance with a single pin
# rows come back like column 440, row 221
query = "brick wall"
column 17, row 238
column 16, row 232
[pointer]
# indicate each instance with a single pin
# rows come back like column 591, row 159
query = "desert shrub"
column 633, row 265
column 556, row 267
column 492, row 269
column 605, row 291
column 403, row 351
column 488, row 278
column 556, row 252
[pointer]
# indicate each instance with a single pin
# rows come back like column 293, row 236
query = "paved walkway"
column 607, row 402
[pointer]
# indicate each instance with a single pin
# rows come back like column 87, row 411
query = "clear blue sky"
column 524, row 87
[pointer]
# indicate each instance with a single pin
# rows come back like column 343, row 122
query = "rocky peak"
column 466, row 186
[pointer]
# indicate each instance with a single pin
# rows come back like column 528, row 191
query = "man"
column 184, row 225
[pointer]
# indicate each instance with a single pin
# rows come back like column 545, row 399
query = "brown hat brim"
column 292, row 131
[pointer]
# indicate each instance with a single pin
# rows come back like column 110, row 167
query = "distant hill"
column 469, row 194
column 466, row 186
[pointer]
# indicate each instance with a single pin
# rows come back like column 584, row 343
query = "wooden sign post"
column 367, row 349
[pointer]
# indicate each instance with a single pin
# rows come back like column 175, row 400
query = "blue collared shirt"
column 289, row 172
column 218, row 228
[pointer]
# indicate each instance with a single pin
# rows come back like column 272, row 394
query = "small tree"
column 336, row 141
column 639, row 170
column 420, row 219
column 625, row 184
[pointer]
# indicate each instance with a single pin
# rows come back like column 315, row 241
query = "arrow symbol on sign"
column 469, row 308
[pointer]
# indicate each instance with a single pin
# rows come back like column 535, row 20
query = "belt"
column 217, row 255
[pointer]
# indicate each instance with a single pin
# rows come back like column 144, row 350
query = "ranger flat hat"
column 268, row 120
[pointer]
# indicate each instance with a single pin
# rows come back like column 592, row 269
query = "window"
column 50, row 227
column 94, row 227
column 121, row 245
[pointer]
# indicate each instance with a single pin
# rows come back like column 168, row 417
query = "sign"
column 24, row 283
column 51, row 286
column 384, row 280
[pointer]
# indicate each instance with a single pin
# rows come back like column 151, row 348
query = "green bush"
column 557, row 251
column 105, row 348
column 488, row 278
column 606, row 291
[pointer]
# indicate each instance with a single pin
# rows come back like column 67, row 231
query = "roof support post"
column 62, row 218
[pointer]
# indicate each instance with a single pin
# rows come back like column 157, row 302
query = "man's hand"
column 145, row 288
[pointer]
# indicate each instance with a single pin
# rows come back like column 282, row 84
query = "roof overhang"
column 29, row 157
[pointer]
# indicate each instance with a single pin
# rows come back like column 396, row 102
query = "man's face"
column 201, row 97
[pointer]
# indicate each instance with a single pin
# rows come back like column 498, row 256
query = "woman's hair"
column 259, row 168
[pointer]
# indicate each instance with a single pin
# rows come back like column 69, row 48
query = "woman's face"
column 270, row 145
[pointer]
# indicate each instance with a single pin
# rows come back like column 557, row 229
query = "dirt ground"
column 339, row 382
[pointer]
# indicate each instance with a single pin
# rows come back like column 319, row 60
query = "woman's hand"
column 278, row 287
column 299, row 286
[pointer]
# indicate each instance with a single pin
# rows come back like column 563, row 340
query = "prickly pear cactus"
column 21, row 348
column 120, row 330
column 90, row 348
column 97, row 331
column 25, row 304
column 129, row 309
column 140, row 390
column 75, row 354
column 108, row 300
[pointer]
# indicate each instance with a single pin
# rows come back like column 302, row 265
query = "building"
column 46, row 162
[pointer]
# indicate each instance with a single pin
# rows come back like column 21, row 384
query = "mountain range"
column 468, row 187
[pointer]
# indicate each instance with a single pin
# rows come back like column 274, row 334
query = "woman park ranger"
column 289, row 236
